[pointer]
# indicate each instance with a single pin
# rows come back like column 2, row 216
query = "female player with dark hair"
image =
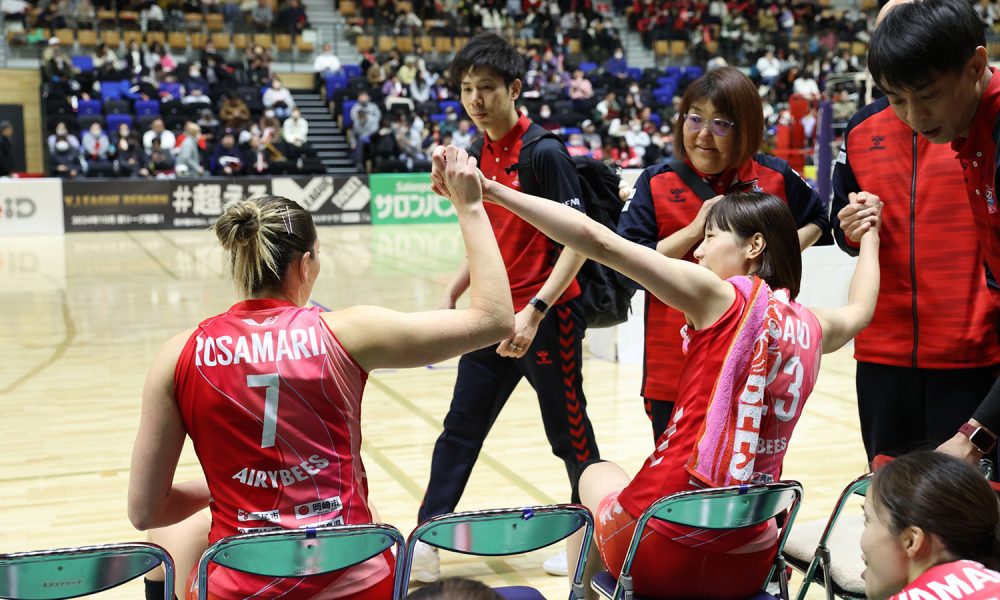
column 270, row 394
column 931, row 526
column 718, row 132
column 752, row 360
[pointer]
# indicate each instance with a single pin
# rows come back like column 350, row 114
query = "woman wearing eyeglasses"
column 718, row 131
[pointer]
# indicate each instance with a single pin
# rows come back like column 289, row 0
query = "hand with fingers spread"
column 862, row 214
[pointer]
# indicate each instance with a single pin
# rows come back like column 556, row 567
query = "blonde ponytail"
column 261, row 237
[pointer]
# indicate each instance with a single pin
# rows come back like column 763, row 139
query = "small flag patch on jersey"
column 319, row 507
column 271, row 516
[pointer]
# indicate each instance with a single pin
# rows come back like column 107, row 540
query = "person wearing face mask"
column 450, row 123
column 545, row 118
column 636, row 138
column 617, row 66
column 195, row 79
column 462, row 137
column 130, row 158
column 62, row 132
column 279, row 98
column 365, row 119
column 721, row 124
column 64, row 161
column 931, row 525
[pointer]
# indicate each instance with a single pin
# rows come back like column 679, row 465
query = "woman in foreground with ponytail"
column 931, row 526
column 270, row 393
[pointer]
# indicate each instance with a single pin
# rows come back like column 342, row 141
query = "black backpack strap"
column 476, row 148
column 690, row 178
column 532, row 136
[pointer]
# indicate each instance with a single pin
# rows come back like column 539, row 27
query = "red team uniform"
column 959, row 580
column 661, row 204
column 712, row 563
column 272, row 403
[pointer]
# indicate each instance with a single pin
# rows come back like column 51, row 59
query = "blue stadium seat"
column 114, row 121
column 693, row 72
column 587, row 67
column 634, row 73
column 455, row 104
column 571, row 130
column 334, row 82
column 129, row 91
column 171, row 89
column 656, row 118
column 110, row 90
column 89, row 107
column 113, row 107
column 438, row 117
column 147, row 107
column 348, row 105
column 668, row 81
column 83, row 62
column 674, row 71
column 351, row 71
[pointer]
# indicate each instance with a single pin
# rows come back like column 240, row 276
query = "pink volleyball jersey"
column 789, row 383
column 272, row 402
column 963, row 579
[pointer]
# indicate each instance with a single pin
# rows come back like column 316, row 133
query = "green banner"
column 407, row 198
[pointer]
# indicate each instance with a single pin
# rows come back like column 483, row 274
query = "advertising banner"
column 115, row 204
column 31, row 206
column 407, row 198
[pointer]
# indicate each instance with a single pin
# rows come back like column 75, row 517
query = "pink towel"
column 727, row 443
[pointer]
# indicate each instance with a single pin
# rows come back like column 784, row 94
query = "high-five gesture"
column 454, row 175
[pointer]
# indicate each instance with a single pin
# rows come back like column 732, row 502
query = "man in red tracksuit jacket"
column 929, row 355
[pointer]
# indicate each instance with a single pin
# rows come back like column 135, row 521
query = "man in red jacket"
column 929, row 56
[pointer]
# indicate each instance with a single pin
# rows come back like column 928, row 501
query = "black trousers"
column 904, row 409
column 484, row 383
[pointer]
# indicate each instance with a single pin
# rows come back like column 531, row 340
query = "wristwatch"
column 539, row 305
column 982, row 439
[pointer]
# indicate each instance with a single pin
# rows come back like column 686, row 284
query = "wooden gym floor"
column 82, row 315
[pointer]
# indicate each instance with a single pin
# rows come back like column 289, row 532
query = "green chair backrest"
column 724, row 508
column 298, row 552
column 731, row 507
column 503, row 532
column 82, row 571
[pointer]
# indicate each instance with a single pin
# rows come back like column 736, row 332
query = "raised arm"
column 840, row 325
column 690, row 288
column 378, row 337
column 153, row 498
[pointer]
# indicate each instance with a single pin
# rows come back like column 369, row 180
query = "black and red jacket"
column 934, row 309
column 660, row 205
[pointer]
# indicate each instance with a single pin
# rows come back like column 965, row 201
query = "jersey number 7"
column 270, row 382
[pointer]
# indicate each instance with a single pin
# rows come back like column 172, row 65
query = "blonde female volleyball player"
column 270, row 394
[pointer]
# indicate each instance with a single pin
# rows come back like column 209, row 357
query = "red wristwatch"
column 981, row 438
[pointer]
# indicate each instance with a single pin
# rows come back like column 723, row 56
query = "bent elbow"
column 141, row 520
column 505, row 324
column 596, row 242
column 501, row 323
